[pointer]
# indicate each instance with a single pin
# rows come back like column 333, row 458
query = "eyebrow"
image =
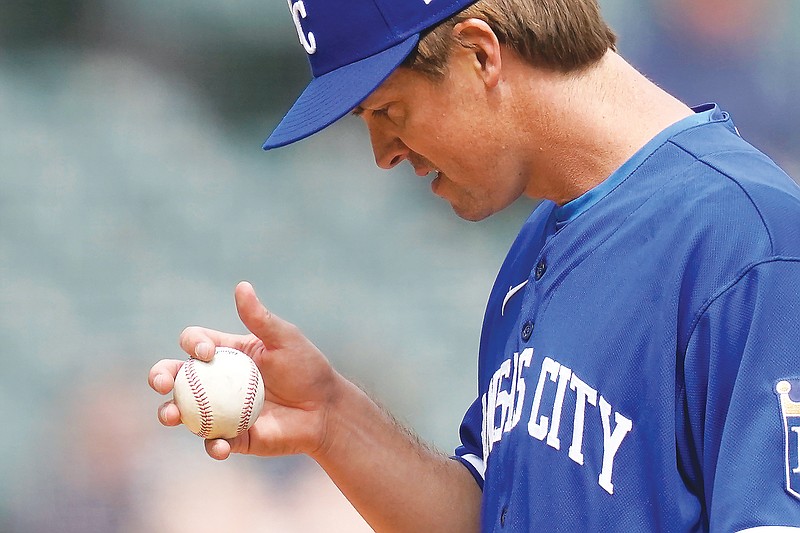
column 357, row 111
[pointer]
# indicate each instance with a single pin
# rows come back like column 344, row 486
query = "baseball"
column 221, row 398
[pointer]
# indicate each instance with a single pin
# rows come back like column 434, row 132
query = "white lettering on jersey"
column 484, row 431
column 509, row 402
column 611, row 442
column 503, row 400
column 496, row 398
column 521, row 362
column 538, row 429
column 503, row 404
column 298, row 10
column 583, row 393
column 552, row 436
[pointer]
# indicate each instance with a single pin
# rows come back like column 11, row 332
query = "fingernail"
column 204, row 350
column 158, row 381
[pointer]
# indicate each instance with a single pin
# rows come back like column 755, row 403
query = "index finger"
column 162, row 375
column 200, row 342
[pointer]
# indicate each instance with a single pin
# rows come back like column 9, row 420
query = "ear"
column 479, row 40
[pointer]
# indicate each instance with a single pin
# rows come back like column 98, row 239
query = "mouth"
column 423, row 168
column 437, row 178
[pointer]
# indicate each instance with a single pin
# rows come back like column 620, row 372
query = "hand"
column 299, row 383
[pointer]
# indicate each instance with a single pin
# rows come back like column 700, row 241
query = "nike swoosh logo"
column 511, row 292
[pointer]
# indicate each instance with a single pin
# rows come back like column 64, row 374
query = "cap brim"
column 331, row 96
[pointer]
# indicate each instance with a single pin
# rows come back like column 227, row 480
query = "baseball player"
column 639, row 365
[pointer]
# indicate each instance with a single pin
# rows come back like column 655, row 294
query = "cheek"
column 458, row 151
column 475, row 167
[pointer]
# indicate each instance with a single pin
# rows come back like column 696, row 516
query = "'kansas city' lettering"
column 503, row 410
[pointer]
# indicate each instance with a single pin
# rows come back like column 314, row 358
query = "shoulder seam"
column 742, row 273
column 703, row 161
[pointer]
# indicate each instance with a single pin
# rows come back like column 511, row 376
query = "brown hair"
column 561, row 35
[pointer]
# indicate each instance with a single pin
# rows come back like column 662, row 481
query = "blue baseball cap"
column 352, row 46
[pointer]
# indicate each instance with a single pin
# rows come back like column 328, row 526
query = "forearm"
column 397, row 483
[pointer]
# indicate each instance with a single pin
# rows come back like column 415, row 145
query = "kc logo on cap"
column 352, row 47
column 298, row 10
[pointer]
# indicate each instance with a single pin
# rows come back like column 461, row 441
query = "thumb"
column 271, row 329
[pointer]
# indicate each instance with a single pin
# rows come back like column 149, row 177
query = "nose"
column 388, row 149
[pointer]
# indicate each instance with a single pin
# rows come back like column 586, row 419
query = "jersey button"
column 503, row 515
column 527, row 330
column 541, row 268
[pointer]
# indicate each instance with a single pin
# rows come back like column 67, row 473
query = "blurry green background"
column 134, row 195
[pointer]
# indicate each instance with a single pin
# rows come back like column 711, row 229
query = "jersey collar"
column 573, row 209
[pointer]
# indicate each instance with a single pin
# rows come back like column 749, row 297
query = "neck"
column 586, row 125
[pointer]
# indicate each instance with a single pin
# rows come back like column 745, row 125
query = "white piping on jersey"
column 770, row 529
column 477, row 463
column 511, row 292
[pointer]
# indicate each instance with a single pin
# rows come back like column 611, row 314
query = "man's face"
column 445, row 128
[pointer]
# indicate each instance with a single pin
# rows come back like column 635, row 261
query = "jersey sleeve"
column 470, row 453
column 738, row 413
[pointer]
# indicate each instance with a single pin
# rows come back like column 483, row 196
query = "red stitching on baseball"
column 250, row 399
column 203, row 405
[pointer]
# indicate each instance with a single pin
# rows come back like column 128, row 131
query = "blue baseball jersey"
column 639, row 365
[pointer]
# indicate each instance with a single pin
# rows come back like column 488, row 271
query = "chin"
column 472, row 216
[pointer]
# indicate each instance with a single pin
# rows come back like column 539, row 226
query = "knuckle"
column 189, row 337
column 292, row 330
column 188, row 333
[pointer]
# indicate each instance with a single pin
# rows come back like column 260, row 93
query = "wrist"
column 334, row 425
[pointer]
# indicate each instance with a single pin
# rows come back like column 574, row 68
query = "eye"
column 392, row 112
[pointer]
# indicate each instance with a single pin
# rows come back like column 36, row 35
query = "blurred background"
column 134, row 195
